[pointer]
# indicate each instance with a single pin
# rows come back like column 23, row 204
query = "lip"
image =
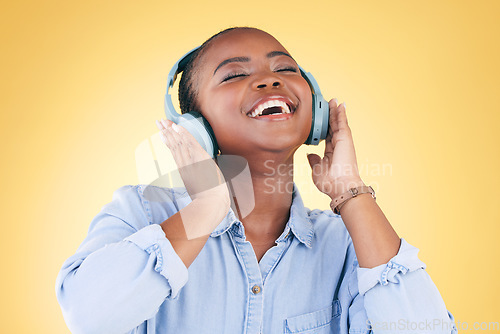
column 266, row 98
column 274, row 117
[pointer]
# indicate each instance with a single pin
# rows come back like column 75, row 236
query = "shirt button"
column 256, row 289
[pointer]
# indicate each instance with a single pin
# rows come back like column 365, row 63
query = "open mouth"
column 271, row 107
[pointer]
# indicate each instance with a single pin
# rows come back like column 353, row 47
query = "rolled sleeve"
column 406, row 260
column 122, row 272
column 152, row 240
column 400, row 296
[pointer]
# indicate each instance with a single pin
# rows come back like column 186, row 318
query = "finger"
column 170, row 142
column 186, row 143
column 175, row 144
column 333, row 102
column 164, row 134
column 333, row 115
column 183, row 148
column 164, row 139
column 174, row 149
column 197, row 152
column 166, row 122
column 173, row 131
column 313, row 159
column 333, row 105
column 159, row 125
column 342, row 117
column 329, row 144
column 187, row 138
column 332, row 120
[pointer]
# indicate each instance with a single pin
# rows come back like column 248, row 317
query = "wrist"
column 342, row 186
column 337, row 203
column 218, row 204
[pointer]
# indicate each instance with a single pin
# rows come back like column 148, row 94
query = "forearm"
column 189, row 229
column 375, row 241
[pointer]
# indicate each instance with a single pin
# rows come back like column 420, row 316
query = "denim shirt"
column 126, row 278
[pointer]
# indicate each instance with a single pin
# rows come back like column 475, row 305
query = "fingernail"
column 336, row 101
column 344, row 104
column 176, row 128
column 164, row 122
column 158, row 124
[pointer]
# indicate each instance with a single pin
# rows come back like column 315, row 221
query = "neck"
column 271, row 189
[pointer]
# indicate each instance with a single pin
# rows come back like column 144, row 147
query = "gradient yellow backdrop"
column 82, row 83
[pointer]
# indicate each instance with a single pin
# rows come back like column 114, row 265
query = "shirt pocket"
column 323, row 321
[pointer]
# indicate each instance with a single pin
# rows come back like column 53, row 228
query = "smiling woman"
column 238, row 72
column 198, row 264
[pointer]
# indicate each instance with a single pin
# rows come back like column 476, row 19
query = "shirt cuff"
column 406, row 260
column 152, row 240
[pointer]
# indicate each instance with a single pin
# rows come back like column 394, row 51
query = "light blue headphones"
column 201, row 130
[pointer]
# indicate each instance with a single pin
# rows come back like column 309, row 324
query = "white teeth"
column 268, row 104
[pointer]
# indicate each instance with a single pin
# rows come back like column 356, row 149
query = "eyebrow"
column 247, row 59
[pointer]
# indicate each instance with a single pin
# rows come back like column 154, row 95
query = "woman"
column 192, row 265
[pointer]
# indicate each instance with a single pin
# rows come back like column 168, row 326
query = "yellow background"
column 82, row 83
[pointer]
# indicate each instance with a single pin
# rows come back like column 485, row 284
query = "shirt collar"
column 299, row 222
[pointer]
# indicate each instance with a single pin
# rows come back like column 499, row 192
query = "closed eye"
column 236, row 75
column 233, row 75
column 287, row 69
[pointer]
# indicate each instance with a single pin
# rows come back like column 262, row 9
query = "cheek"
column 301, row 89
column 222, row 101
column 305, row 95
column 304, row 114
column 223, row 114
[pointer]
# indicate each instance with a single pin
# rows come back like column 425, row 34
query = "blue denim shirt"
column 126, row 278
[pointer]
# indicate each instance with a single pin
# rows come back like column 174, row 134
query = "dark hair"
column 187, row 86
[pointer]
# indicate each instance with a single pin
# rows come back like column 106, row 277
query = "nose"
column 266, row 81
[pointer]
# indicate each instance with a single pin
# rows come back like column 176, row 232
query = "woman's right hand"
column 201, row 176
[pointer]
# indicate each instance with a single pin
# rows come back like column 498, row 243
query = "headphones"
column 201, row 130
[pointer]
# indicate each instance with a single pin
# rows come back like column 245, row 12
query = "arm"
column 378, row 249
column 115, row 280
column 189, row 230
column 374, row 238
column 126, row 267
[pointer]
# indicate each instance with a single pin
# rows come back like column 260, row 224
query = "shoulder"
column 327, row 224
column 142, row 201
column 330, row 234
column 161, row 202
column 148, row 194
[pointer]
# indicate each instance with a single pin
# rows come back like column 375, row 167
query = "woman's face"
column 244, row 71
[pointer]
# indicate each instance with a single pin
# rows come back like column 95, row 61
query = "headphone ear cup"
column 192, row 121
column 320, row 119
column 201, row 130
column 320, row 111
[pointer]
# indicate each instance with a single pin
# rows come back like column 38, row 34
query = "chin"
column 282, row 143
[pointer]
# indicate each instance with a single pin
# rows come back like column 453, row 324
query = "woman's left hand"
column 337, row 171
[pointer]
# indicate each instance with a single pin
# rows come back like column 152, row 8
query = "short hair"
column 188, row 93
